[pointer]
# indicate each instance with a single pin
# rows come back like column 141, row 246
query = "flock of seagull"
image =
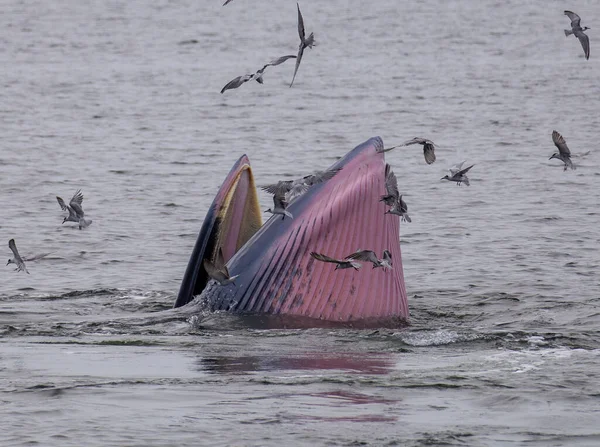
column 286, row 190
column 305, row 42
column 76, row 214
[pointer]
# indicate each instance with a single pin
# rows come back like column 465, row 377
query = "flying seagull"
column 76, row 201
column 304, row 42
column 279, row 206
column 458, row 175
column 218, row 271
column 428, row 148
column 393, row 197
column 75, row 210
column 17, row 257
column 341, row 263
column 370, row 256
column 564, row 154
column 579, row 32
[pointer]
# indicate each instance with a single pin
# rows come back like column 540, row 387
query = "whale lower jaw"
column 276, row 276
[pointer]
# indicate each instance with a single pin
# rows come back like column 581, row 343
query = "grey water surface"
column 121, row 99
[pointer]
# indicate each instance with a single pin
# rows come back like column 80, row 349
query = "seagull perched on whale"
column 75, row 210
column 457, row 174
column 564, row 154
column 341, row 263
column 304, row 42
column 579, row 32
column 428, row 148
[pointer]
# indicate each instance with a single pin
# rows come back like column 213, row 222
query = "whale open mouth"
column 277, row 275
column 232, row 219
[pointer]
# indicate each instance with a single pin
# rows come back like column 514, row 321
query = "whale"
column 275, row 273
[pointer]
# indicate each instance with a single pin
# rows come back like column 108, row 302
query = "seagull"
column 75, row 210
column 579, row 32
column 72, row 207
column 370, row 256
column 30, row 258
column 294, row 188
column 258, row 76
column 279, row 206
column 235, row 83
column 428, row 148
column 17, row 257
column 341, row 264
column 564, row 154
column 304, row 42
column 458, row 175
column 393, row 197
column 218, row 271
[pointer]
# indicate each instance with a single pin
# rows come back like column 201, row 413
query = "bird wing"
column 77, row 209
column 560, row 143
column 296, row 190
column 220, row 259
column 417, row 140
column 585, row 43
column 301, row 31
column 575, row 19
column 213, row 271
column 364, row 255
column 320, row 176
column 456, row 168
column 391, row 182
column 13, row 247
column 77, row 198
column 226, row 2
column 403, row 205
column 279, row 201
column 280, row 187
column 36, row 257
column 387, row 256
column 62, row 203
column 236, row 82
column 281, row 60
column 326, row 175
column 464, row 171
column 298, row 59
column 429, row 152
column 324, row 258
